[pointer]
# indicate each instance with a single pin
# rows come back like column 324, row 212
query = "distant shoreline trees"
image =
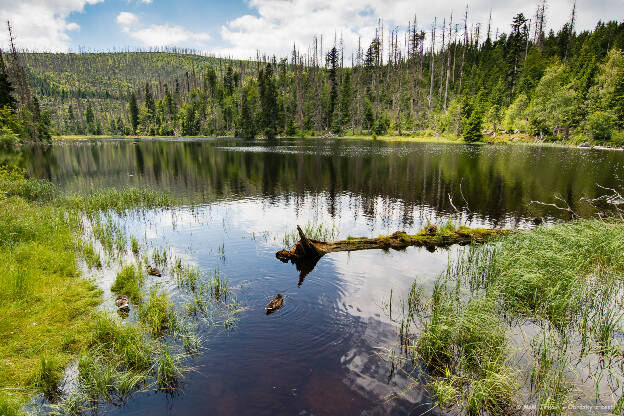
column 453, row 80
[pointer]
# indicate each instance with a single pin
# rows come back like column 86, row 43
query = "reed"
column 128, row 282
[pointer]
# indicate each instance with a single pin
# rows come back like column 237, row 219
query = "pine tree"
column 268, row 102
column 345, row 99
column 246, row 124
column 6, row 92
column 332, row 61
column 90, row 119
column 134, row 113
column 472, row 132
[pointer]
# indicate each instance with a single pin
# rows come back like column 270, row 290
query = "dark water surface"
column 325, row 352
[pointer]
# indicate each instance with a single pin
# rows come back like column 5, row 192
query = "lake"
column 326, row 350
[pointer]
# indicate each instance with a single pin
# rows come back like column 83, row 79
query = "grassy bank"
column 45, row 306
column 48, row 312
column 520, row 321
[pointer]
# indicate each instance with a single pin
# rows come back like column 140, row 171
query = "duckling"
column 275, row 304
column 153, row 271
column 122, row 302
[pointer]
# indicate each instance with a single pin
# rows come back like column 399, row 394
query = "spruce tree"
column 90, row 119
column 6, row 92
column 246, row 124
column 134, row 113
column 472, row 132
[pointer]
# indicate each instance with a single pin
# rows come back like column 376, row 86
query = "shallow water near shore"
column 326, row 350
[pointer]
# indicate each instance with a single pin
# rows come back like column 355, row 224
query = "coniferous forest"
column 454, row 79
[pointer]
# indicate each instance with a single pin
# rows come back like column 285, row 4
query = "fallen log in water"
column 312, row 250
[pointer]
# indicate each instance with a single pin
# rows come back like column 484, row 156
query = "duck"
column 275, row 304
column 122, row 302
column 153, row 271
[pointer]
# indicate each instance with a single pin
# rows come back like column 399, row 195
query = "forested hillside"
column 456, row 79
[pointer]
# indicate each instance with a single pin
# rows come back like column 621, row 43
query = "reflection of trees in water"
column 497, row 183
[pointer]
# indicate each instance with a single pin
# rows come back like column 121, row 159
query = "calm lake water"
column 325, row 352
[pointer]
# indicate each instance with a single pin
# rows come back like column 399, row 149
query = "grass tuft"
column 128, row 282
column 158, row 313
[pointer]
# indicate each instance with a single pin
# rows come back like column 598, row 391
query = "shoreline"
column 503, row 140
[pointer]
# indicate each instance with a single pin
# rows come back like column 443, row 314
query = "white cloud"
column 278, row 24
column 159, row 35
column 126, row 20
column 41, row 24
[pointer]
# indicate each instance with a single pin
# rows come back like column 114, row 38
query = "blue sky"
column 100, row 31
column 241, row 27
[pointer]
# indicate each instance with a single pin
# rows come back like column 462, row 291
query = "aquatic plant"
column 159, row 256
column 90, row 255
column 566, row 278
column 158, row 313
column 187, row 277
column 169, row 370
column 128, row 282
column 134, row 244
column 312, row 230
column 126, row 344
column 47, row 377
column 217, row 286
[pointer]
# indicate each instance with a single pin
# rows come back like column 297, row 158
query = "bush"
column 8, row 138
column 600, row 125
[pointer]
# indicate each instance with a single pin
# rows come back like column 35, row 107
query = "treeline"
column 21, row 116
column 456, row 79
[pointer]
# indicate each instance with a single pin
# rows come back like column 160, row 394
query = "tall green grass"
column 129, row 282
column 567, row 279
column 158, row 313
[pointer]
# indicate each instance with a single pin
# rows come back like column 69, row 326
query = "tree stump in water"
column 310, row 251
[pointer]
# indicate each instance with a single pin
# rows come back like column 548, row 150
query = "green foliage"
column 472, row 130
column 554, row 101
column 42, row 299
column 563, row 75
column 516, row 116
column 47, row 377
column 128, row 282
column 8, row 139
column 600, row 125
column 157, row 313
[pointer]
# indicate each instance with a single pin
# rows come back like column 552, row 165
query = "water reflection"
column 495, row 184
column 324, row 352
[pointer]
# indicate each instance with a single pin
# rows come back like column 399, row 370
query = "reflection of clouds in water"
column 369, row 277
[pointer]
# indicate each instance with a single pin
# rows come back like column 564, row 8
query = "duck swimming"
column 153, row 271
column 122, row 302
column 275, row 304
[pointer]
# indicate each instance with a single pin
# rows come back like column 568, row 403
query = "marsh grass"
column 117, row 200
column 312, row 230
column 110, row 235
column 44, row 304
column 134, row 245
column 47, row 377
column 218, row 287
column 90, row 255
column 129, row 281
column 159, row 256
column 169, row 370
column 158, row 313
column 566, row 279
column 187, row 277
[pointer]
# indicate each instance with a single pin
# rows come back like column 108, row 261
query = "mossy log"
column 430, row 237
